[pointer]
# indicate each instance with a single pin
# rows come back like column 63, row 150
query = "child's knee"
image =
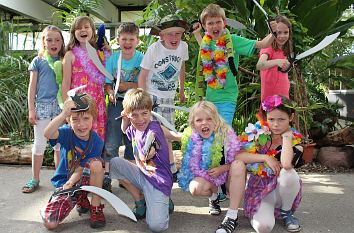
column 156, row 226
column 289, row 177
column 51, row 225
column 238, row 168
column 96, row 166
column 264, row 227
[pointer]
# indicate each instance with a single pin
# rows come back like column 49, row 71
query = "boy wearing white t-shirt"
column 163, row 67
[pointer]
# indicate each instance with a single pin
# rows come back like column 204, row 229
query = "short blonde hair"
column 212, row 10
column 136, row 99
column 221, row 127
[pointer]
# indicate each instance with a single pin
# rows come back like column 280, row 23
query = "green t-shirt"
column 229, row 93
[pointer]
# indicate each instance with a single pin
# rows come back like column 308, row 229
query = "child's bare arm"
column 75, row 177
column 170, row 135
column 142, row 78
column 197, row 27
column 51, row 131
column 182, row 78
column 268, row 40
column 67, row 69
column 263, row 63
column 32, row 86
column 125, row 122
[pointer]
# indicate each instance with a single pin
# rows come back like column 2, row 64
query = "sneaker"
column 97, row 219
column 222, row 197
column 140, row 209
column 291, row 223
column 228, row 225
column 214, row 207
column 107, row 183
column 171, row 206
column 83, row 204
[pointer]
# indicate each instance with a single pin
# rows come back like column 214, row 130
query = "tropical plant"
column 13, row 96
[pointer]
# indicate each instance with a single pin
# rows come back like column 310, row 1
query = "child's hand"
column 32, row 117
column 288, row 135
column 68, row 185
column 273, row 164
column 111, row 96
column 197, row 27
column 283, row 64
column 215, row 172
column 107, row 47
column 151, row 154
column 68, row 105
column 273, row 25
column 123, row 86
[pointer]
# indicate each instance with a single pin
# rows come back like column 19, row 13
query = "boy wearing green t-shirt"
column 219, row 52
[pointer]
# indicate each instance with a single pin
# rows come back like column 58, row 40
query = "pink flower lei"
column 90, row 69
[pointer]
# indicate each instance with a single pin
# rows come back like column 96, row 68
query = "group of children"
column 212, row 153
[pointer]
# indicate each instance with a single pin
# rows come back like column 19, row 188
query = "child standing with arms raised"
column 128, row 39
column 274, row 187
column 79, row 69
column 42, row 97
column 273, row 81
column 163, row 67
column 80, row 164
column 149, row 180
column 218, row 51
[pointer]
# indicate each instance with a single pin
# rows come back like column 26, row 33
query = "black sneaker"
column 214, row 207
column 171, row 206
column 228, row 225
column 107, row 183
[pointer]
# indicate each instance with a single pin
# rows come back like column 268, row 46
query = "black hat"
column 169, row 21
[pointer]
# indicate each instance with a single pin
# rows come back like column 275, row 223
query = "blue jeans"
column 114, row 134
column 157, row 216
column 226, row 111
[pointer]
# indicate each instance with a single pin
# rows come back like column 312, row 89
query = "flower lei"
column 215, row 63
column 200, row 154
column 256, row 139
column 90, row 69
column 57, row 67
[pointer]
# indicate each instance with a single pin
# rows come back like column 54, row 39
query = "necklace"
column 200, row 155
column 215, row 63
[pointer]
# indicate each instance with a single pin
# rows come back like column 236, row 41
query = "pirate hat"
column 169, row 22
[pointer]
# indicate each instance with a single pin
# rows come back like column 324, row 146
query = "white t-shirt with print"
column 164, row 65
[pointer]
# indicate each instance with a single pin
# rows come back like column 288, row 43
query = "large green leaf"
column 343, row 62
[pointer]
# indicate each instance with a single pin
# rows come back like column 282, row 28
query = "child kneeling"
column 80, row 164
column 149, row 180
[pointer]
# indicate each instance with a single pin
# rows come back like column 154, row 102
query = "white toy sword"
column 92, row 53
column 112, row 199
column 324, row 43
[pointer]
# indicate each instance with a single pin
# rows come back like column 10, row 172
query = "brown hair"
column 92, row 110
column 288, row 46
column 212, row 10
column 75, row 25
column 136, row 99
column 128, row 27
column 44, row 34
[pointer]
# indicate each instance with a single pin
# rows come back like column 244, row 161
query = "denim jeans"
column 114, row 134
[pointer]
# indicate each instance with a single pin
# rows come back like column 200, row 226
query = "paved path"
column 327, row 206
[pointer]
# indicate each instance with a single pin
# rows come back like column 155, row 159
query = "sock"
column 173, row 167
column 231, row 213
column 213, row 197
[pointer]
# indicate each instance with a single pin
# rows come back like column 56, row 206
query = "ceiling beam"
column 107, row 13
column 35, row 9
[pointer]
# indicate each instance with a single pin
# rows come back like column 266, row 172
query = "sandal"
column 291, row 223
column 31, row 186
